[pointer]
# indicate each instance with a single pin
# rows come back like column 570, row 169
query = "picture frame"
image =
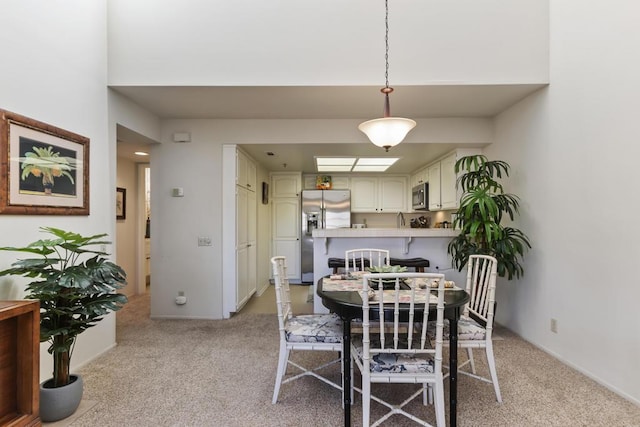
column 44, row 169
column 265, row 193
column 121, row 203
column 323, row 182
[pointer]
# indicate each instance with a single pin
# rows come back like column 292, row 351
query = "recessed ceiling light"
column 335, row 161
column 378, row 161
column 334, row 168
column 141, row 153
column 354, row 164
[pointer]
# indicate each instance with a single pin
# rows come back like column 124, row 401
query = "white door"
column 286, row 233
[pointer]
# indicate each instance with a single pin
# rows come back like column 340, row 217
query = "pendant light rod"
column 387, row 131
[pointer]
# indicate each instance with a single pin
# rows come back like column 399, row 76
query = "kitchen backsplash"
column 389, row 220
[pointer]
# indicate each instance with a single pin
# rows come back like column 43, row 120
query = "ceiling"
column 332, row 102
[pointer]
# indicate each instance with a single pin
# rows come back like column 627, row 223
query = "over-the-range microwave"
column 420, row 197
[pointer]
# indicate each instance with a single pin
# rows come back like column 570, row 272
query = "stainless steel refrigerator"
column 321, row 209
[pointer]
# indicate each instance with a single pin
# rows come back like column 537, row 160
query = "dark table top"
column 348, row 304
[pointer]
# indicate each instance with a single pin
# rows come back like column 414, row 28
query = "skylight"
column 354, row 164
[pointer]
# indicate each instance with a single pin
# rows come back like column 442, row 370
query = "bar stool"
column 419, row 264
column 337, row 263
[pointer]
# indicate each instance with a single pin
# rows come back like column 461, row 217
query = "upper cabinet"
column 420, row 177
column 442, row 178
column 338, row 182
column 286, row 184
column 245, row 172
column 379, row 194
column 433, row 173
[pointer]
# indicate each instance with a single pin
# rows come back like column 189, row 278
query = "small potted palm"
column 483, row 207
column 76, row 286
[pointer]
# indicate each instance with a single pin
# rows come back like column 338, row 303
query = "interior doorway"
column 144, row 221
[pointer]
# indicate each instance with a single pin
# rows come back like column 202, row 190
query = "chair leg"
column 439, row 403
column 492, row 369
column 366, row 400
column 282, row 367
column 351, row 364
column 427, row 394
column 471, row 361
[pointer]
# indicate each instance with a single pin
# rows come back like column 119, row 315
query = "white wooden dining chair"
column 475, row 326
column 404, row 355
column 360, row 259
column 312, row 332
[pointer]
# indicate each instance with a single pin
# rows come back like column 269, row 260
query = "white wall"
column 54, row 70
column 574, row 149
column 178, row 263
column 127, row 229
column 326, row 42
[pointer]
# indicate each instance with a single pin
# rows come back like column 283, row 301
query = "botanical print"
column 46, row 170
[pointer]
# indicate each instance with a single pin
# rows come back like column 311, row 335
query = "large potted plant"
column 483, row 207
column 76, row 286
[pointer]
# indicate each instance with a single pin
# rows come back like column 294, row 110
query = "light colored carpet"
column 221, row 373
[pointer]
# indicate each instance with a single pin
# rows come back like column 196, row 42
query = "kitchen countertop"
column 386, row 232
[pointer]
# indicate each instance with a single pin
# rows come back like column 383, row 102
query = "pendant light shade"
column 387, row 131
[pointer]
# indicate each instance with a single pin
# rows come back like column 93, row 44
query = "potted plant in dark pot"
column 76, row 286
column 483, row 207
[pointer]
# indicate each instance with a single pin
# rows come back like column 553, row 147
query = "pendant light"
column 387, row 131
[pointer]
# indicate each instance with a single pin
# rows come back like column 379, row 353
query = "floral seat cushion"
column 468, row 330
column 393, row 362
column 325, row 328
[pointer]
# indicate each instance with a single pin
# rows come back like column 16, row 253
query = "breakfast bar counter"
column 384, row 232
column 427, row 243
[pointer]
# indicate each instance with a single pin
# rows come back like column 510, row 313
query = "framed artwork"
column 265, row 193
column 121, row 203
column 44, row 169
column 323, row 182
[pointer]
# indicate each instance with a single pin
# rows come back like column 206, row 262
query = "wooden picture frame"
column 121, row 203
column 44, row 169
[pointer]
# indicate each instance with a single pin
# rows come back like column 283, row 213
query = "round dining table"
column 348, row 305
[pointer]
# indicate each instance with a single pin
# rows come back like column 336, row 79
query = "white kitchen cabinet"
column 379, row 194
column 239, row 254
column 443, row 194
column 420, row 177
column 246, row 260
column 364, row 194
column 286, row 233
column 338, row 182
column 286, row 184
column 433, row 172
column 448, row 194
column 245, row 172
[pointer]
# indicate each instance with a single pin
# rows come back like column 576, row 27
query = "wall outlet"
column 554, row 326
column 181, row 299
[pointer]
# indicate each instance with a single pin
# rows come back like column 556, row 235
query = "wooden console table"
column 19, row 363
